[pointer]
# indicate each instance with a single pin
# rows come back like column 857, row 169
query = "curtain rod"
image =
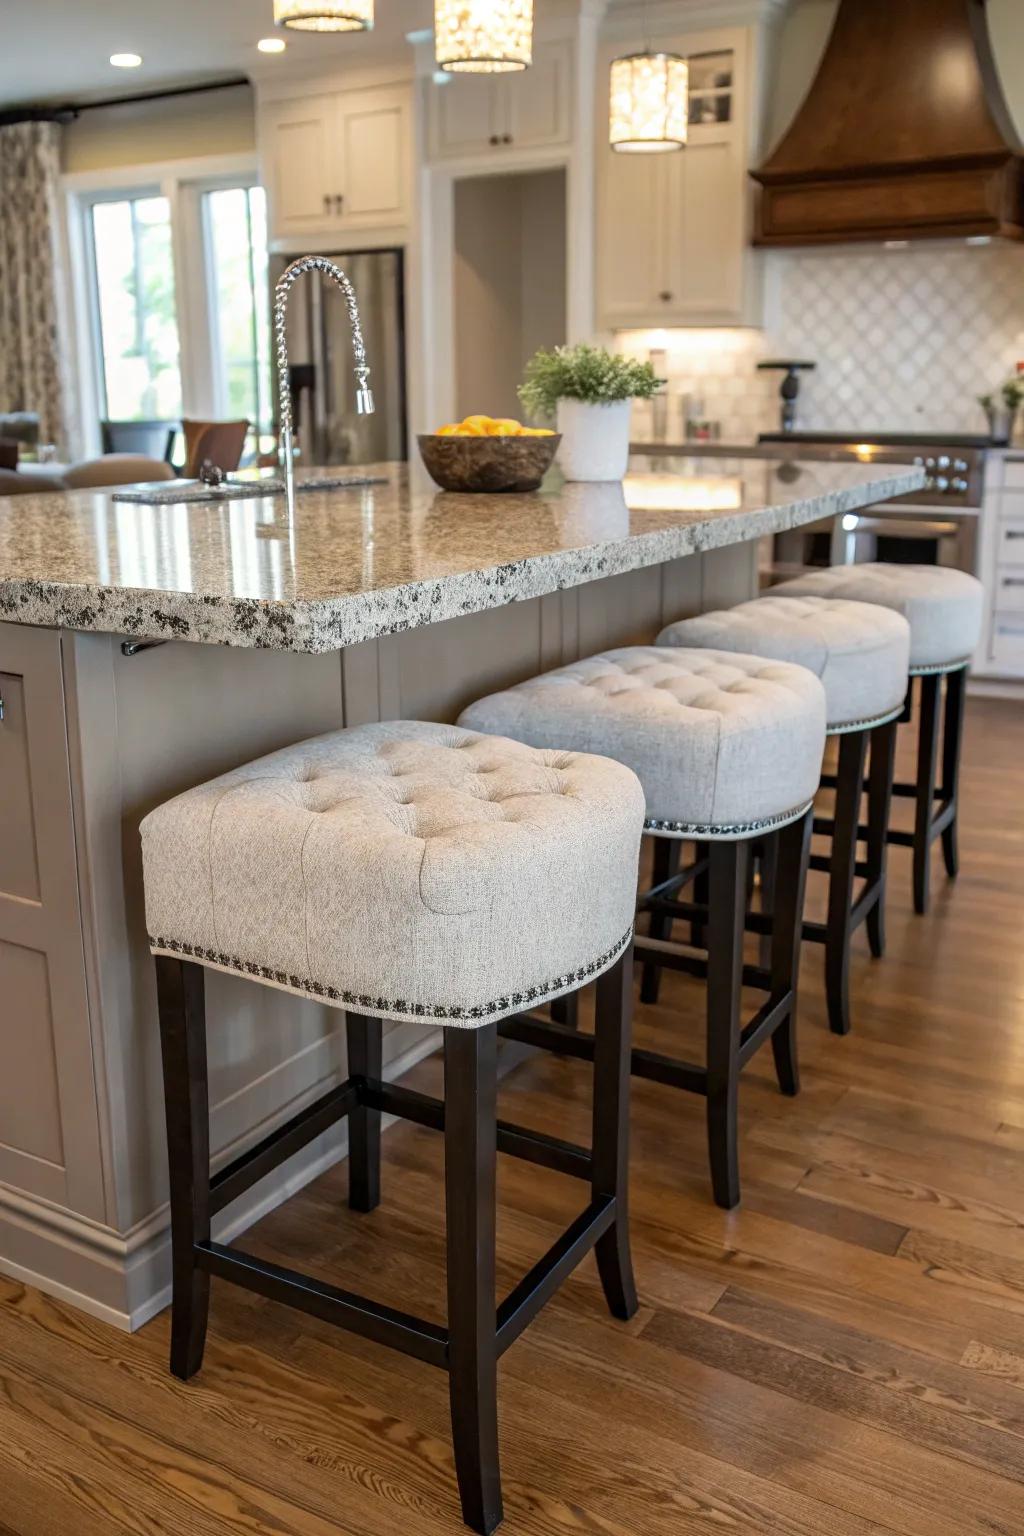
column 69, row 113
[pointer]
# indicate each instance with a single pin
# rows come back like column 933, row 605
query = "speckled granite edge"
column 330, row 624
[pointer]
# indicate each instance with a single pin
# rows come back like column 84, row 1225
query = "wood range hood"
column 904, row 134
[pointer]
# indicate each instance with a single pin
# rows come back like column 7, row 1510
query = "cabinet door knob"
column 665, row 296
column 339, row 202
column 327, row 203
column 494, row 139
column 506, row 138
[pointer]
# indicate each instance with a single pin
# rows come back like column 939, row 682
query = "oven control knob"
column 929, row 463
column 961, row 466
column 941, row 483
column 960, row 485
column 943, row 461
column 918, row 459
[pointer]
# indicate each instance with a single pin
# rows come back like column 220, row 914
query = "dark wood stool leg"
column 610, row 1139
column 880, row 777
column 842, row 868
column 470, row 1141
column 727, row 881
column 566, row 1010
column 927, row 757
column 792, row 851
column 701, row 884
column 180, row 1000
column 365, row 1059
column 665, row 864
column 768, row 862
column 952, row 739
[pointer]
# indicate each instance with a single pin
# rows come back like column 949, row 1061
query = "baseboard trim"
column 124, row 1278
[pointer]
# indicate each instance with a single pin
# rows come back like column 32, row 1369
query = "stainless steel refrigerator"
column 328, row 431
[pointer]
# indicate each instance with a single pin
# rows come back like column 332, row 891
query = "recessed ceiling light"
column 126, row 60
column 271, row 45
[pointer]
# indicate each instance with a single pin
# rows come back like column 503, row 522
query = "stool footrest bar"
column 514, row 1140
column 247, row 1169
column 764, row 1024
column 523, row 1303
column 412, row 1335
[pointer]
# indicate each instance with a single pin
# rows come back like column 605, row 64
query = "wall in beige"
column 148, row 132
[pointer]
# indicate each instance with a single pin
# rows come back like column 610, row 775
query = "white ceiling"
column 59, row 50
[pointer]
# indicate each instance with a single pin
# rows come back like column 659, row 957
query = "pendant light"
column 649, row 103
column 324, row 15
column 484, row 37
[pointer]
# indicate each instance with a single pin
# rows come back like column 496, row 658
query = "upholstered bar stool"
column 861, row 654
column 944, row 609
column 402, row 871
column 728, row 749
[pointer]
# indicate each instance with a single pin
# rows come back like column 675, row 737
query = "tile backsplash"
column 904, row 340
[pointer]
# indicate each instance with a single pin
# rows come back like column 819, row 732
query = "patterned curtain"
column 30, row 355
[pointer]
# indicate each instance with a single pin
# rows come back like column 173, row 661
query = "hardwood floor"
column 843, row 1354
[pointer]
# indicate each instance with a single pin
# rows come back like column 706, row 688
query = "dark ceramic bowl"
column 488, row 463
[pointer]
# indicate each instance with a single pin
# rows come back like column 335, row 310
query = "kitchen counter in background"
column 360, row 563
column 417, row 603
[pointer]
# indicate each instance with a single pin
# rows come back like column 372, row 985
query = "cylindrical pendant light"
column 484, row 37
column 650, row 103
column 324, row 15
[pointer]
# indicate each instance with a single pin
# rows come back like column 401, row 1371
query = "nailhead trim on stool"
column 396, row 1008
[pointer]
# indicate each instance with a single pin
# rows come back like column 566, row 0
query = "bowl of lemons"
column 488, row 453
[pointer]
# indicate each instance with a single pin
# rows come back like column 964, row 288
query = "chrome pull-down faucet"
column 364, row 394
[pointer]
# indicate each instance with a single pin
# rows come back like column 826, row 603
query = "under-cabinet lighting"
column 126, row 60
column 676, row 493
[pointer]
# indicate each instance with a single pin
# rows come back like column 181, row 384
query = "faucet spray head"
column 364, row 400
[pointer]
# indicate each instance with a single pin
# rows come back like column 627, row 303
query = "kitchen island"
column 380, row 601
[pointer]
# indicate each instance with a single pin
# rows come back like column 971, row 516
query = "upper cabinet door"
column 706, row 244
column 630, row 256
column 466, row 115
column 371, row 149
column 538, row 101
column 298, row 165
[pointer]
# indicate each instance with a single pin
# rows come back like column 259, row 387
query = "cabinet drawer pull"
column 1, row 709
column 1013, row 581
column 1014, row 533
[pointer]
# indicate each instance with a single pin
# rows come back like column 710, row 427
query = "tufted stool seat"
column 944, row 609
column 728, row 748
column 723, row 744
column 861, row 652
column 413, row 871
column 453, row 844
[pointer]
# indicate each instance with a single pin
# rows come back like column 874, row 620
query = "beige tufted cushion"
column 403, row 869
column 722, row 743
column 943, row 607
column 860, row 651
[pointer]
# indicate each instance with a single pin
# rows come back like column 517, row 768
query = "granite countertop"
column 355, row 564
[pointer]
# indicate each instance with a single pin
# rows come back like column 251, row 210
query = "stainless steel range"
column 937, row 525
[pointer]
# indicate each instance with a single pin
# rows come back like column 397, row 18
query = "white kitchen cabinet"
column 672, row 229
column 337, row 163
column 488, row 114
column 1001, row 568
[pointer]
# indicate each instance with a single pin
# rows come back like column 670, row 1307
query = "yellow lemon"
column 450, row 429
column 476, row 423
column 504, row 426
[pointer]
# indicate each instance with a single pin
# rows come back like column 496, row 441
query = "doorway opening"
column 509, row 277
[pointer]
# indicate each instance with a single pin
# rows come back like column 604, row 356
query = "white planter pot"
column 595, row 439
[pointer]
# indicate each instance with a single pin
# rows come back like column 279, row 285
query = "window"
column 136, row 314
column 235, row 229
column 172, row 294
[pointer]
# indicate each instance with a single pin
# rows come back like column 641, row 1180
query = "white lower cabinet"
column 1001, row 568
column 337, row 163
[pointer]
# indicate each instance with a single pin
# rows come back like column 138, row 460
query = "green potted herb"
column 1001, row 408
column 590, row 392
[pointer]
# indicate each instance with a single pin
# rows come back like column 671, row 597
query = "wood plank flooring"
column 843, row 1355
